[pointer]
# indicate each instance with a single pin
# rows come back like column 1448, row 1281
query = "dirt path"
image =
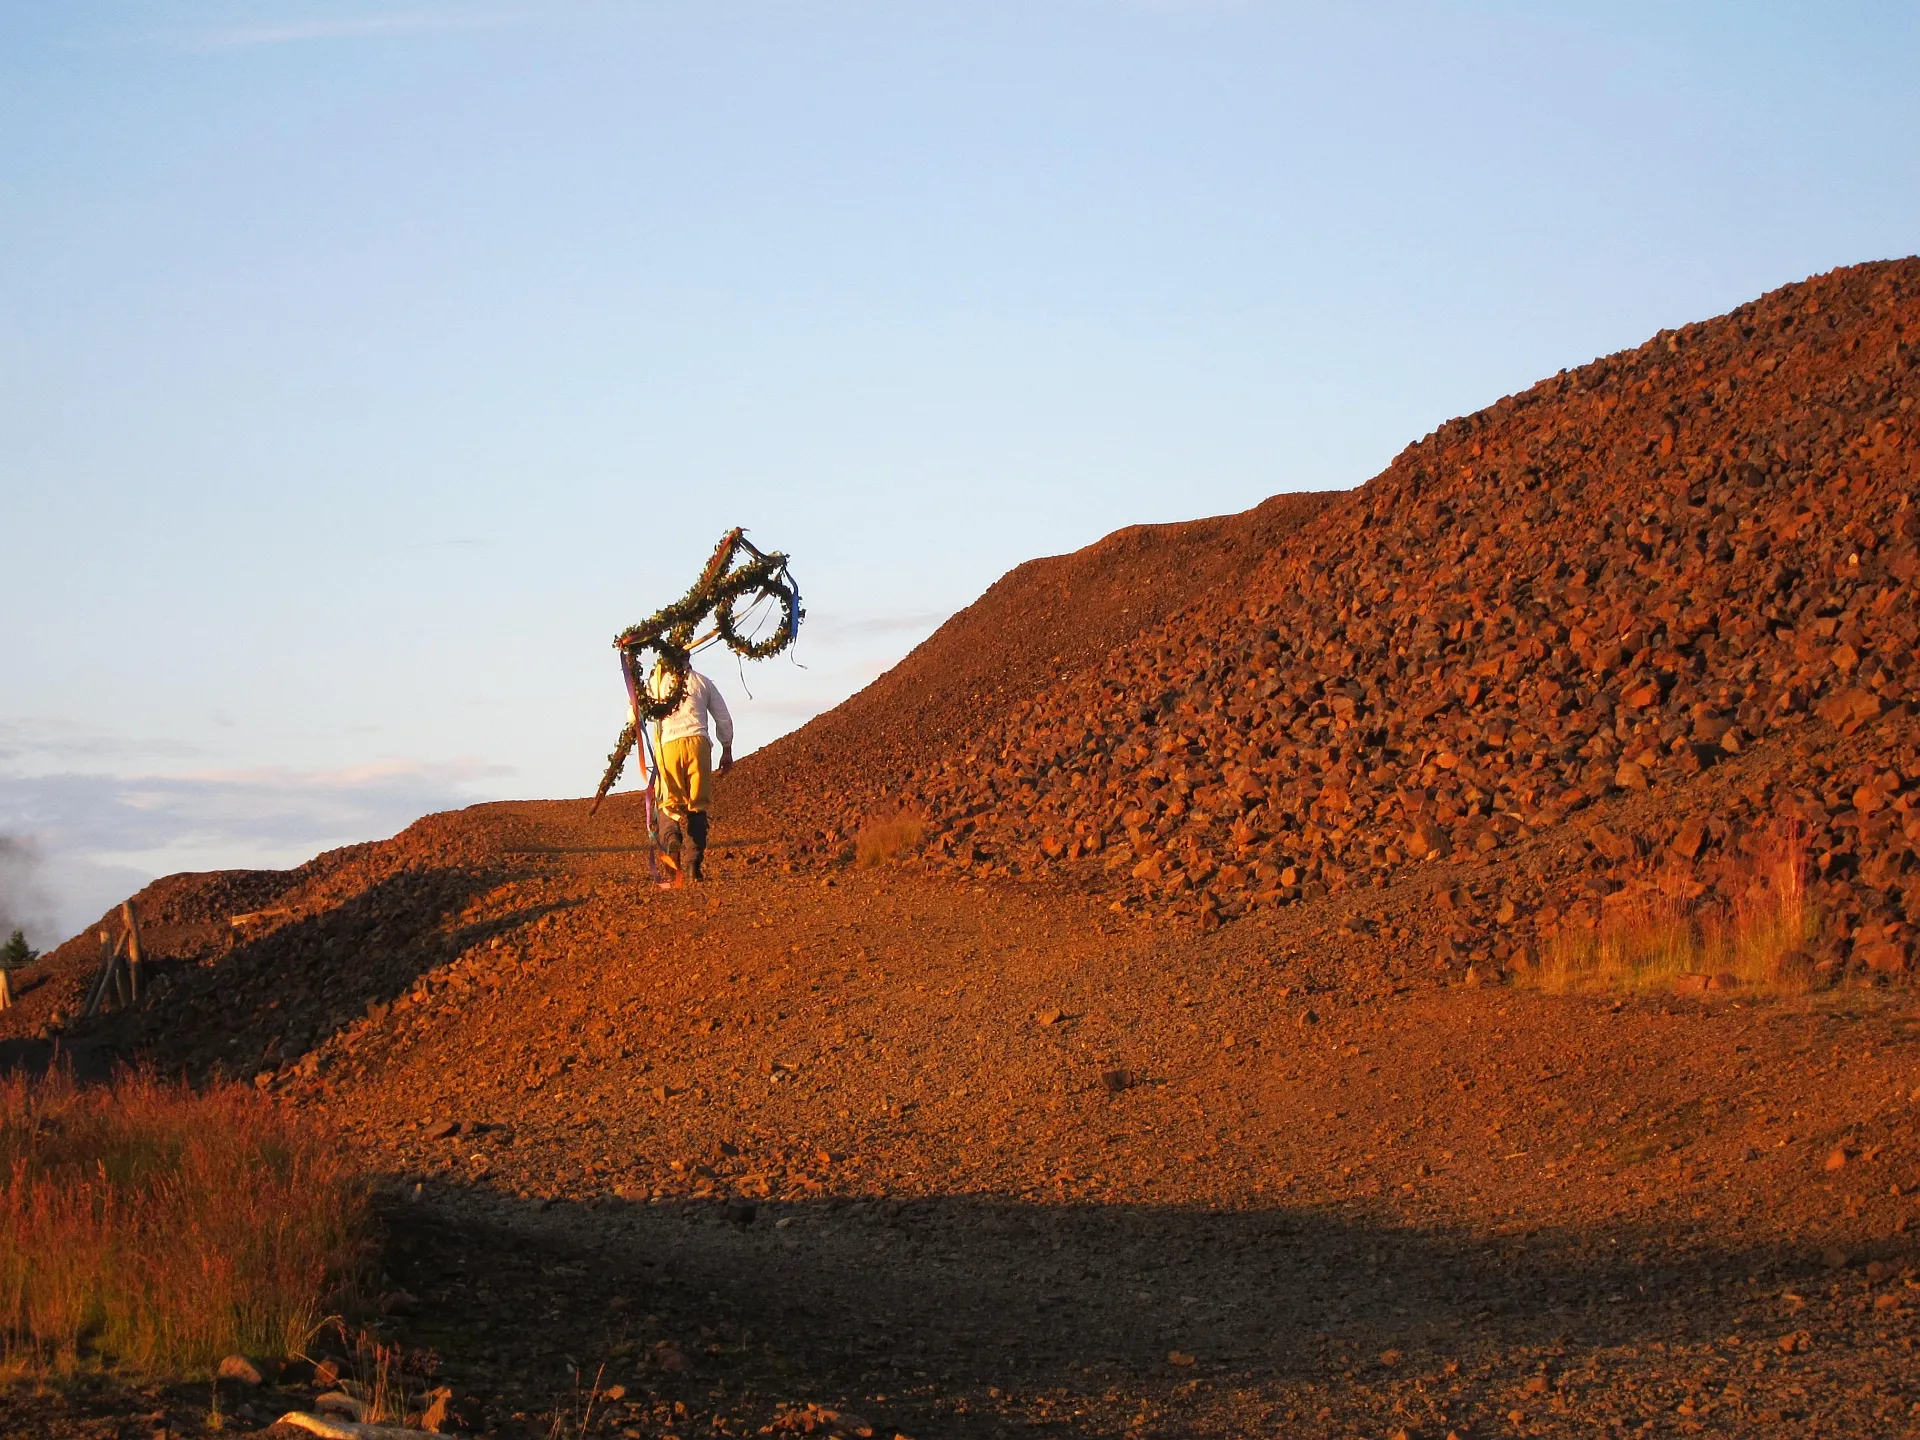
column 1011, row 1164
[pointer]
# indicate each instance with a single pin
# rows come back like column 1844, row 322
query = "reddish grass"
column 1645, row 941
column 887, row 837
column 160, row 1228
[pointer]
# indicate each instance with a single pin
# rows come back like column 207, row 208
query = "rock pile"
column 1598, row 591
column 1066, row 613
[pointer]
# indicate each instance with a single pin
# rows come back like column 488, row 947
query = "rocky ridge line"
column 1602, row 587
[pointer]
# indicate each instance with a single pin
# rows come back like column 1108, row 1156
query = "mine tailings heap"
column 1649, row 610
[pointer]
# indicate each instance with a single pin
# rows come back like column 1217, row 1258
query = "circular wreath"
column 784, row 594
column 670, row 659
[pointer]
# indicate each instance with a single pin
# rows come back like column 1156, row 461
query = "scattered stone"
column 339, row 1402
column 1690, row 839
column 1181, row 1359
column 243, row 1370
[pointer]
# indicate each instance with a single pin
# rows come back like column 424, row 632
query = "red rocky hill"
column 1590, row 594
column 1043, row 620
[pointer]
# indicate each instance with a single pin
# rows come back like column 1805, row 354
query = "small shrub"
column 1646, row 941
column 888, row 837
column 160, row 1228
column 16, row 952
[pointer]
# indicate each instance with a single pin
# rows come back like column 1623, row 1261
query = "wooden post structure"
column 119, row 979
column 121, row 986
column 100, row 981
column 131, row 914
column 6, row 988
column 112, row 980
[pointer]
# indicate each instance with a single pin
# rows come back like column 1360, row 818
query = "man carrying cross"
column 684, row 755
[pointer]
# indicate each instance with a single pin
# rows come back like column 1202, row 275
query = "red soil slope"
column 1596, row 590
column 1040, row 622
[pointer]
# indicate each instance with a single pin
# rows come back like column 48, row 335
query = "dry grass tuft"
column 888, row 837
column 159, row 1228
column 1648, row 941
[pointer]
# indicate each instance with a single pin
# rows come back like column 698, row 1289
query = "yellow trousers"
column 686, row 772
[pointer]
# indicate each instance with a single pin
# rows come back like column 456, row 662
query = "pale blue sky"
column 364, row 368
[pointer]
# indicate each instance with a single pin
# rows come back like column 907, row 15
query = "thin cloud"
column 245, row 816
column 53, row 742
column 84, row 841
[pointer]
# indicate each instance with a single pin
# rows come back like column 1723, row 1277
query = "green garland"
column 669, row 633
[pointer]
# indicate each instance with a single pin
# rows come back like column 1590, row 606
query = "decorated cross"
column 738, row 585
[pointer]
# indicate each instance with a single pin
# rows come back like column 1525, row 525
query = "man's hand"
column 726, row 758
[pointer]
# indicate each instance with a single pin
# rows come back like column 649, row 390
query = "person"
column 684, row 755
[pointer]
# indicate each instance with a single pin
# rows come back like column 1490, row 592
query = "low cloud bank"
column 96, row 838
column 24, row 901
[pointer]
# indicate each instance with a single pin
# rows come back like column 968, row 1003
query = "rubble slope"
column 1593, row 592
column 1042, row 620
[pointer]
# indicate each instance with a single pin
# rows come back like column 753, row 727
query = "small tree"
column 16, row 952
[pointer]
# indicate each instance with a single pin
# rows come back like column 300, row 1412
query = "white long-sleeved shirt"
column 689, row 718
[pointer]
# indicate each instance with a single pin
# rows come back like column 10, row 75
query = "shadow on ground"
column 978, row 1317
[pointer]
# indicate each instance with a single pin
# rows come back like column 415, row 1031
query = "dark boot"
column 693, row 853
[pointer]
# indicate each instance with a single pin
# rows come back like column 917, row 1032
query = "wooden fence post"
column 110, row 980
column 100, row 980
column 6, row 988
column 135, row 956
